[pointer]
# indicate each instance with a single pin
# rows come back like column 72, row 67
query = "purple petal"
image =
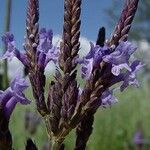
column 10, row 105
column 92, row 59
column 12, row 51
column 108, row 99
column 18, row 84
column 41, row 59
column 8, row 38
column 137, row 65
column 91, row 52
column 45, row 40
column 46, row 51
column 22, row 99
column 8, row 55
column 86, row 68
column 129, row 78
column 5, row 96
column 120, row 57
column 52, row 55
column 22, row 57
column 116, row 69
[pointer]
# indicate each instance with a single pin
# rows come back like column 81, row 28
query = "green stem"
column 56, row 144
column 7, row 28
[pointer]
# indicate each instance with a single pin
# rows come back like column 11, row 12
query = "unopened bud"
column 34, row 45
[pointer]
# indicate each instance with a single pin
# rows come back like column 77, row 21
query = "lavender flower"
column 8, row 40
column 46, row 51
column 92, row 59
column 108, row 99
column 13, row 95
column 12, row 51
column 120, row 57
column 130, row 76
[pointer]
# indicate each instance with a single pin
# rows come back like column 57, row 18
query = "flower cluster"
column 121, row 67
column 118, row 57
column 46, row 51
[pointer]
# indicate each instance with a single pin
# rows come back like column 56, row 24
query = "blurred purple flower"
column 32, row 120
column 120, row 57
column 13, row 95
column 129, row 78
column 139, row 138
column 46, row 51
column 108, row 99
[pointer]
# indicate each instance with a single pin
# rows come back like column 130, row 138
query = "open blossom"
column 46, row 50
column 13, row 95
column 92, row 59
column 120, row 57
column 129, row 78
column 108, row 99
column 9, row 41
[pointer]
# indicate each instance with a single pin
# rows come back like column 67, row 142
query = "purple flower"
column 12, row 51
column 92, row 59
column 45, row 40
column 120, row 57
column 86, row 68
column 9, row 41
column 139, row 138
column 108, row 99
column 13, row 95
column 129, row 78
column 46, row 51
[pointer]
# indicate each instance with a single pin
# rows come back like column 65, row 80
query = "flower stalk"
column 63, row 93
column 124, row 24
column 36, row 73
column 120, row 34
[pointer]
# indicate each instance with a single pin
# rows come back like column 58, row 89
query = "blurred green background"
column 113, row 128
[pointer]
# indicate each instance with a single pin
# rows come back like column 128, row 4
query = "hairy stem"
column 36, row 74
column 84, row 131
column 63, row 93
column 57, row 144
